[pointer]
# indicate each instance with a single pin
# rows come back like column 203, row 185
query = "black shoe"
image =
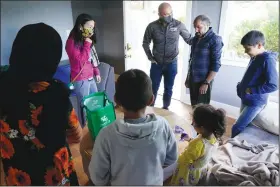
column 165, row 108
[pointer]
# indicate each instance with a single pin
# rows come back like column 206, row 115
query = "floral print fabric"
column 34, row 151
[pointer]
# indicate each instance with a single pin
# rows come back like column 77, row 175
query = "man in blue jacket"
column 205, row 61
column 164, row 33
column 260, row 79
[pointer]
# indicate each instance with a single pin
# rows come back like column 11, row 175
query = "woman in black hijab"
column 37, row 120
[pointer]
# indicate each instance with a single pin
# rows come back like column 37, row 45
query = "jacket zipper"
column 165, row 31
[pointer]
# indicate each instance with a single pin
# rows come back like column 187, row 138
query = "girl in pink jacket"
column 83, row 58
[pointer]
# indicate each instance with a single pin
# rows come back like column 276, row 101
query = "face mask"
column 86, row 32
column 167, row 19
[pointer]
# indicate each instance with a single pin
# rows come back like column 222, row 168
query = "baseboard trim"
column 232, row 111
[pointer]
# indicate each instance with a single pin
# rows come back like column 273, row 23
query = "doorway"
column 137, row 15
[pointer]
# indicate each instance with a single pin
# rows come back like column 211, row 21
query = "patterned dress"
column 192, row 163
column 35, row 151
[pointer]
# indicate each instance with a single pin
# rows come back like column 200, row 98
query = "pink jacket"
column 79, row 56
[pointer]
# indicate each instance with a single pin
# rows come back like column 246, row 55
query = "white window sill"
column 240, row 63
column 234, row 112
column 236, row 63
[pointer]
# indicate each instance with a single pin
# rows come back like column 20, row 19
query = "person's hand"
column 98, row 79
column 187, row 82
column 203, row 89
column 88, row 40
column 238, row 89
column 248, row 91
column 185, row 137
column 153, row 61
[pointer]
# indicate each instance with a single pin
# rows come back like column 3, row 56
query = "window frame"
column 228, row 61
column 235, row 62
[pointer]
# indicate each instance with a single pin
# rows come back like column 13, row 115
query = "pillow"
column 268, row 118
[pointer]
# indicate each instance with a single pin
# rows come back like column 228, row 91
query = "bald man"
column 164, row 33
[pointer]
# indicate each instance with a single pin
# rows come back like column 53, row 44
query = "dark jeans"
column 169, row 72
column 196, row 97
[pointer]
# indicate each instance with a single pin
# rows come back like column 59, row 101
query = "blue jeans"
column 84, row 88
column 169, row 72
column 247, row 115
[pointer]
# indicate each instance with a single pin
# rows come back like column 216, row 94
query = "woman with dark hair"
column 83, row 58
column 37, row 120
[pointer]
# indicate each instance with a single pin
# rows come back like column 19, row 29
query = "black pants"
column 196, row 97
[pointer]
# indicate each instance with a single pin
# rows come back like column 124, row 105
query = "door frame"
column 146, row 3
column 184, row 96
column 125, row 34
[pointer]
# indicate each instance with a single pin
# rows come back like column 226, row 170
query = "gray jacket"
column 133, row 154
column 165, row 40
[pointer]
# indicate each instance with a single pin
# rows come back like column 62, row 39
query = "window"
column 238, row 18
column 137, row 5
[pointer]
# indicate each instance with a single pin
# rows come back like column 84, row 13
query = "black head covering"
column 35, row 55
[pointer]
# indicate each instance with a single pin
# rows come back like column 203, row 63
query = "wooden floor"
column 177, row 107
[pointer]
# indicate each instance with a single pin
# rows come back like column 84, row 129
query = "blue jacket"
column 205, row 56
column 261, row 77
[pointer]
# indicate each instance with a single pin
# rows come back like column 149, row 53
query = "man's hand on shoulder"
column 186, row 35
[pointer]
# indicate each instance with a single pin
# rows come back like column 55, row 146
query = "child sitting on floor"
column 133, row 150
column 192, row 163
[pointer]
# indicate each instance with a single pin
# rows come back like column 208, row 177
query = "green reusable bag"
column 100, row 112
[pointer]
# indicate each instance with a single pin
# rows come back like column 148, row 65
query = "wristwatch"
column 206, row 82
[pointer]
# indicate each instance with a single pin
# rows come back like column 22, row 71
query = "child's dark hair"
column 253, row 38
column 214, row 121
column 134, row 90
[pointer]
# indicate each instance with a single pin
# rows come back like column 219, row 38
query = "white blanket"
column 240, row 163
